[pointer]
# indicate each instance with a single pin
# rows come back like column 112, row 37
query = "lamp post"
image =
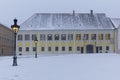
column 36, row 41
column 15, row 29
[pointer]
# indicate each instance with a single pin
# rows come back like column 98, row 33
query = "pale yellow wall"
column 74, row 43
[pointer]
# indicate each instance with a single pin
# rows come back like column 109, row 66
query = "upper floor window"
column 56, row 36
column 27, row 37
column 20, row 37
column 49, row 36
column 70, row 36
column 93, row 36
column 78, row 36
column 107, row 36
column 63, row 36
column 33, row 36
column 42, row 37
column 85, row 37
column 100, row 37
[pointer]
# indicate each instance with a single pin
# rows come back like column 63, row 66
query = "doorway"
column 89, row 49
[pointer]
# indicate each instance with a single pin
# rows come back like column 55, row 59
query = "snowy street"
column 62, row 67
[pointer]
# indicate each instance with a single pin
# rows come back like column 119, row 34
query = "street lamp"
column 36, row 41
column 15, row 29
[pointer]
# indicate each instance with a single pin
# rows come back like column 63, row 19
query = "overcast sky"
column 23, row 9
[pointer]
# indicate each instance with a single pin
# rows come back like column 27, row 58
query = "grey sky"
column 23, row 9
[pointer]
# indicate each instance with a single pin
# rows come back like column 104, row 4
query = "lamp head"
column 15, row 27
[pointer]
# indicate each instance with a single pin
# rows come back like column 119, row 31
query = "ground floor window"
column 34, row 48
column 49, row 48
column 107, row 47
column 56, row 48
column 27, row 49
column 70, row 48
column 20, row 49
column 42, row 48
column 63, row 48
column 81, row 49
column 99, row 49
column 78, row 48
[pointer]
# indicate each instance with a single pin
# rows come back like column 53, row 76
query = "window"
column 107, row 36
column 100, row 48
column 49, row 49
column 78, row 36
column 34, row 48
column 107, row 47
column 70, row 36
column 20, row 37
column 56, row 48
column 27, row 37
column 42, row 49
column 63, row 48
column 70, row 48
column 33, row 36
column 42, row 37
column 93, row 36
column 78, row 48
column 49, row 36
column 20, row 49
column 86, row 37
column 63, row 36
column 100, row 36
column 27, row 49
column 56, row 36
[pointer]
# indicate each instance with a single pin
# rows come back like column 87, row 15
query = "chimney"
column 91, row 12
column 73, row 12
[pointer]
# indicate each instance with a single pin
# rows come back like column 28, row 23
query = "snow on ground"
column 62, row 67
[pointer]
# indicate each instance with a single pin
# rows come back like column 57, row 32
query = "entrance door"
column 89, row 49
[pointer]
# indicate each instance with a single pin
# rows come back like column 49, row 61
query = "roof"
column 2, row 25
column 43, row 21
column 116, row 22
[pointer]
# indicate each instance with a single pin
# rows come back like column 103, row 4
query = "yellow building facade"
column 84, row 43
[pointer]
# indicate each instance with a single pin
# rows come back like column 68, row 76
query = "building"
column 6, row 41
column 67, row 33
column 116, row 23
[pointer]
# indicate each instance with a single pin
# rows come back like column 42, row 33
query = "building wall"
column 77, row 46
column 6, row 41
column 118, row 40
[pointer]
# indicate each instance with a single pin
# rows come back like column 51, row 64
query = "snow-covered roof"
column 116, row 22
column 40, row 21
